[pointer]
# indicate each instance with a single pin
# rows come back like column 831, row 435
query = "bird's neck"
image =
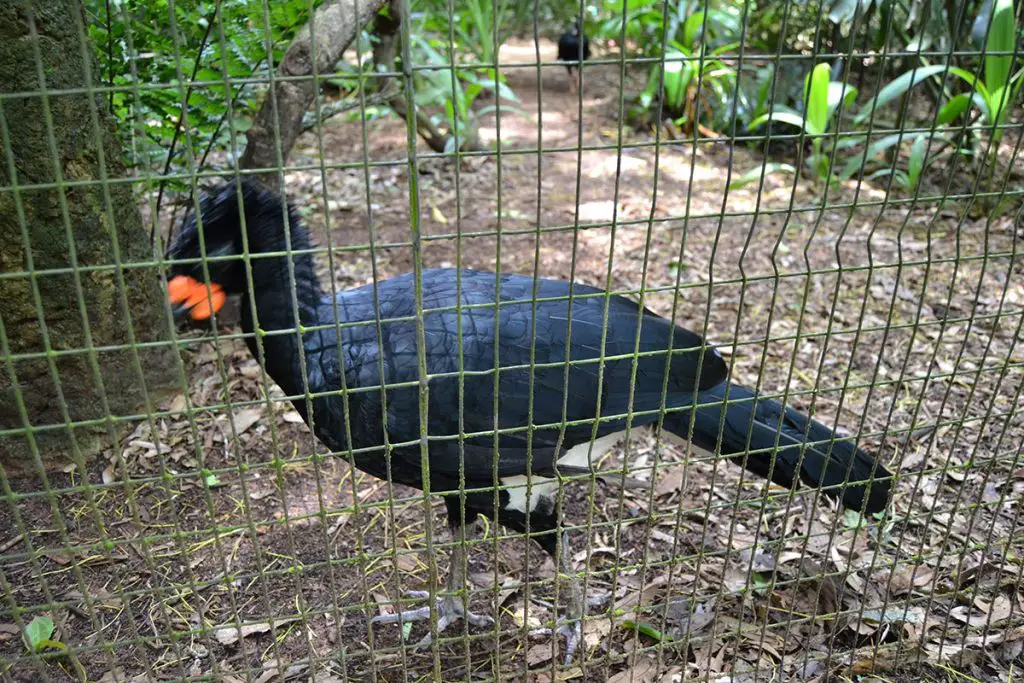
column 285, row 295
column 285, row 288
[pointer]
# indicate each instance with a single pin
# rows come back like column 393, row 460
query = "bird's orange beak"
column 192, row 297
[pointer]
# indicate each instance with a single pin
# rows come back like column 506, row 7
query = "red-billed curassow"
column 370, row 338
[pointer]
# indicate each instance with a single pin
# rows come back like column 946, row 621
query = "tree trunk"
column 49, row 384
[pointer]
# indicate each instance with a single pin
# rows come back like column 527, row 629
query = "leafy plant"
column 693, row 75
column 457, row 97
column 993, row 94
column 172, row 59
column 920, row 153
column 39, row 634
column 822, row 99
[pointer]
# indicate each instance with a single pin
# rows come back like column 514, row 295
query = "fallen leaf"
column 596, row 630
column 644, row 670
column 229, row 635
column 685, row 620
column 438, row 217
column 909, row 577
column 407, row 563
column 245, row 418
column 538, row 654
column 108, row 474
column 670, row 481
column 998, row 610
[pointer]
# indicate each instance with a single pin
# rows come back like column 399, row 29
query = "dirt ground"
column 225, row 548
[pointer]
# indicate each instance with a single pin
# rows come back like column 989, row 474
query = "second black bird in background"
column 573, row 49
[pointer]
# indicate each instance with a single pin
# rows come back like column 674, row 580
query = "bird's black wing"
column 502, row 336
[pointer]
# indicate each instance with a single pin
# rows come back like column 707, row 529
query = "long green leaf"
column 905, row 82
column 916, row 162
column 678, row 74
column 691, row 28
column 876, row 148
column 840, row 93
column 1002, row 37
column 756, row 173
column 896, row 173
column 816, row 87
column 952, row 110
column 786, row 117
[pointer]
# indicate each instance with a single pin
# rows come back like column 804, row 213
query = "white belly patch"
column 581, row 456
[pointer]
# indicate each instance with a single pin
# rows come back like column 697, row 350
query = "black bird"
column 341, row 338
column 573, row 49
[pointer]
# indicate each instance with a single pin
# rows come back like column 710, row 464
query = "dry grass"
column 232, row 551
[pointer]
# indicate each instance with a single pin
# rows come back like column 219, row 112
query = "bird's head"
column 213, row 237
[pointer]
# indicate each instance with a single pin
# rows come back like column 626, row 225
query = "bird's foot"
column 571, row 630
column 450, row 609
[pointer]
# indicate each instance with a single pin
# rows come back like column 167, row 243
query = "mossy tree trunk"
column 83, row 385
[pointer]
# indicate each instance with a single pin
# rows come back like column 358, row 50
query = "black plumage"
column 368, row 355
column 573, row 48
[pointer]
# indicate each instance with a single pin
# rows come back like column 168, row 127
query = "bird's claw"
column 450, row 609
column 571, row 630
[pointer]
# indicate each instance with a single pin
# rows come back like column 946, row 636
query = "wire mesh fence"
column 296, row 385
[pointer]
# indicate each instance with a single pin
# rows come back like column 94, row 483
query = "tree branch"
column 337, row 23
column 386, row 27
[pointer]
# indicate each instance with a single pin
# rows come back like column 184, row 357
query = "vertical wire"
column 664, row 389
column 648, row 238
column 421, row 358
column 298, row 332
column 976, row 381
column 386, row 447
column 164, row 469
column 241, row 455
column 461, row 362
column 918, row 480
column 970, row 325
column 130, row 326
column 531, row 384
column 218, row 353
column 342, row 374
column 892, row 304
column 58, row 516
column 342, row 390
column 717, row 459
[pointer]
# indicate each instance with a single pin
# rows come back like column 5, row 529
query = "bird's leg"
column 571, row 627
column 450, row 607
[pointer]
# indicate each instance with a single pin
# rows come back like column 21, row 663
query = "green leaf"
column 816, row 96
column 691, row 28
column 952, row 109
column 643, row 628
column 896, row 173
column 210, row 479
column 756, row 173
column 791, row 118
column 905, row 82
column 873, row 150
column 916, row 163
column 840, row 93
column 1002, row 37
column 38, row 633
column 677, row 74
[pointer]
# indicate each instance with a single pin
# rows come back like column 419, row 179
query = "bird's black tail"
column 747, row 427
